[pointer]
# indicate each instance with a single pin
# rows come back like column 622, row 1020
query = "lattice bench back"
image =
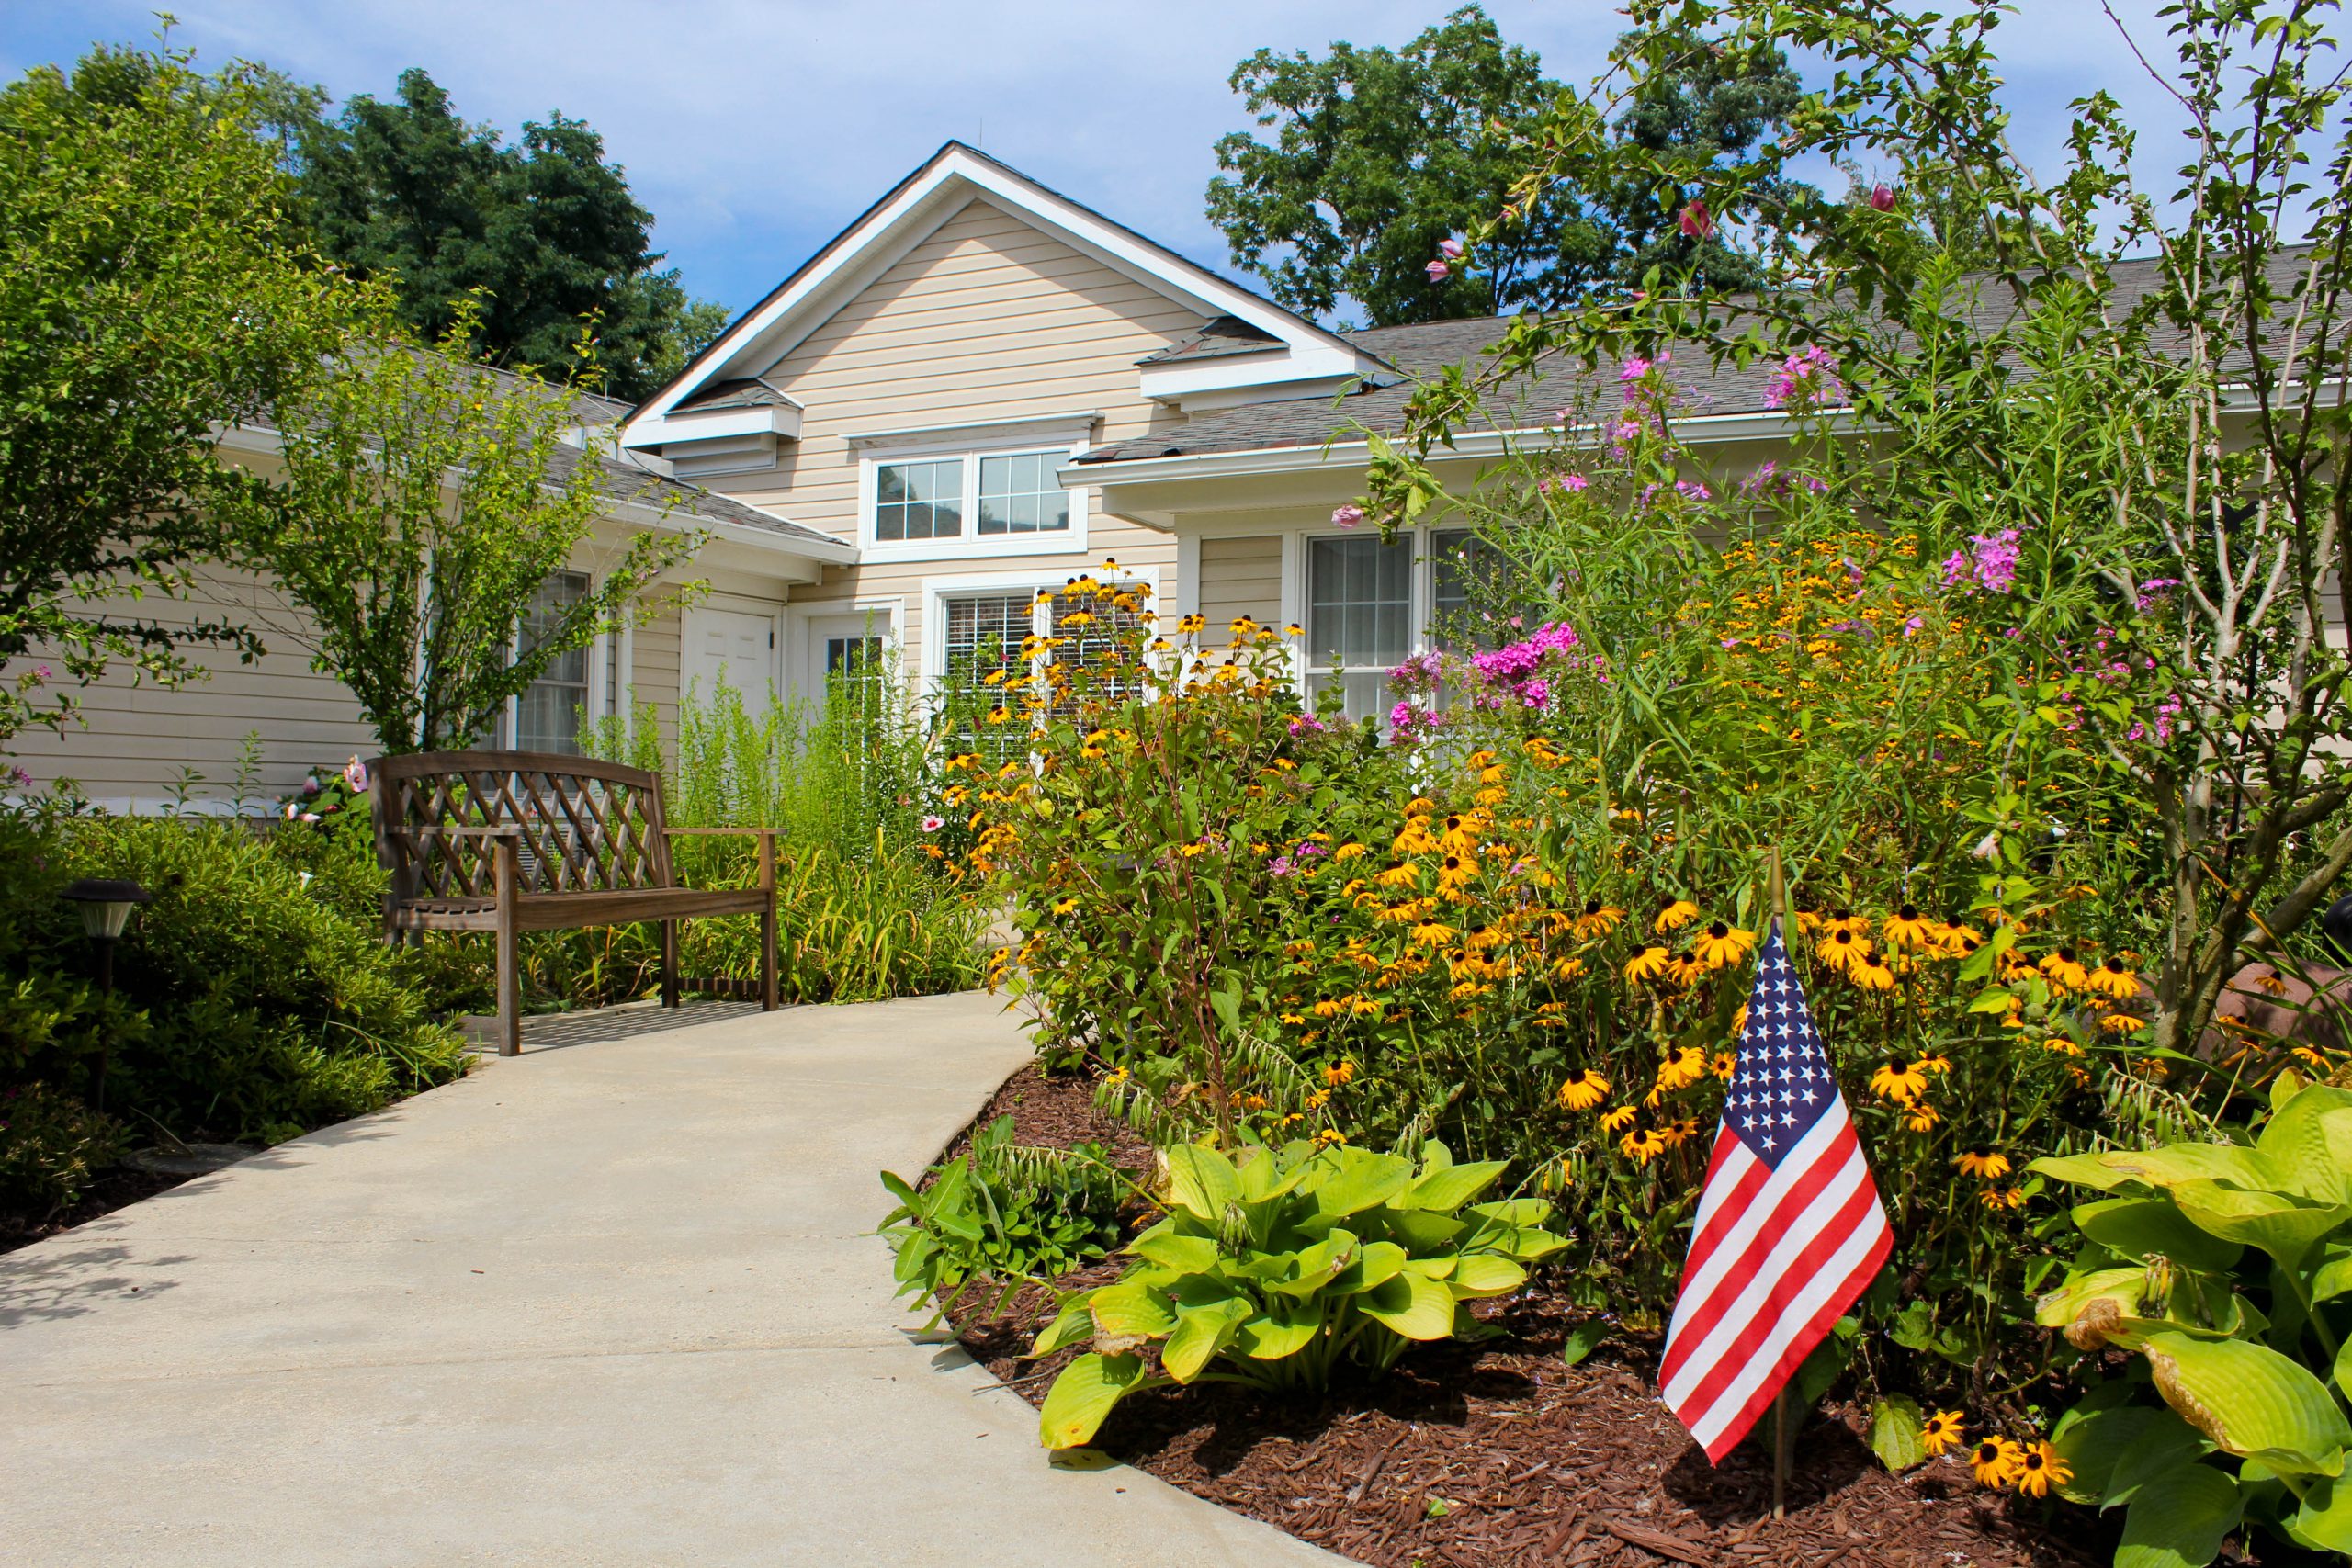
column 586, row 826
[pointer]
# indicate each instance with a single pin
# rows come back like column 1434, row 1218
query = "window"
column 855, row 677
column 547, row 716
column 1018, row 494
column 977, row 503
column 1359, row 616
column 1463, row 568
column 984, row 634
column 919, row 501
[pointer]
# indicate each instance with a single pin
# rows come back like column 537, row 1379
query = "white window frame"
column 971, row 543
column 1307, row 674
column 938, row 591
column 607, row 657
column 886, row 611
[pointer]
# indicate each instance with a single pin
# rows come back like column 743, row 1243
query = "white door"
column 737, row 646
column 849, row 653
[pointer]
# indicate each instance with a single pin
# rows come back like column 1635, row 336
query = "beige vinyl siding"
column 653, row 671
column 1241, row 577
column 986, row 319
column 138, row 735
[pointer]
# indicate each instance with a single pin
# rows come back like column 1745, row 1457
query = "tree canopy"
column 154, row 289
column 545, row 228
column 1380, row 155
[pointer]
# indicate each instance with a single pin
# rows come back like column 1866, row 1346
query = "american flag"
column 1790, row 1228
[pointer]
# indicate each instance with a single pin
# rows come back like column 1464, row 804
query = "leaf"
column 1819, row 1370
column 1444, row 1190
column 2113, row 1453
column 1227, row 1002
column 2251, row 1400
column 1412, row 1305
column 1201, row 1181
column 1083, row 1397
column 1283, row 1329
column 1072, row 1324
column 1184, row 1254
column 1895, row 1428
column 2325, row 1518
column 2140, row 1227
column 1481, row 1274
column 1362, row 1182
column 1319, row 1265
column 1583, row 1340
column 2277, row 1224
column 2180, row 1523
column 1200, row 1332
column 1375, row 1263
column 2307, row 1144
column 1423, row 1230
column 1130, row 1309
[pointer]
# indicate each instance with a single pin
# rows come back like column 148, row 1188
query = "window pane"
column 1018, row 494
column 547, row 715
column 1463, row 567
column 919, row 501
column 1359, row 602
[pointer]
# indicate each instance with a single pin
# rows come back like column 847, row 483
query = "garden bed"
column 1479, row 1456
column 117, row 1187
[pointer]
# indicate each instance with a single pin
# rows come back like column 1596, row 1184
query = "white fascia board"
column 717, row 425
column 1078, row 425
column 949, row 182
column 1189, row 381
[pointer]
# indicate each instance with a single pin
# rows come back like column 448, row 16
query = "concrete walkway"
column 609, row 1302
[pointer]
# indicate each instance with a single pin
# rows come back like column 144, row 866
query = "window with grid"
column 855, row 675
column 983, row 635
column 1019, row 495
column 547, row 716
column 919, row 501
column 1465, row 571
column 1359, row 616
column 1105, row 623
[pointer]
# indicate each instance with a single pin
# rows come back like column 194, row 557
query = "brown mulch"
column 115, row 1187
column 1495, row 1454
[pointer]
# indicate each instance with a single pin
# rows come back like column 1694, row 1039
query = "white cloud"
column 756, row 128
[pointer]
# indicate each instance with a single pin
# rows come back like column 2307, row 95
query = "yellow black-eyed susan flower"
column 1723, row 1066
column 1598, row 920
column 1678, row 913
column 1722, row 944
column 1940, row 1430
column 1567, row 967
column 2113, row 979
column 2121, row 1023
column 1871, row 973
column 1583, row 1091
column 1432, row 933
column 1616, row 1118
column 1645, row 965
column 2003, row 1198
column 1841, row 947
column 2064, row 970
column 1339, row 1073
column 1909, row 929
column 2038, row 1468
column 1900, row 1078
column 1643, row 1144
column 1683, row 1066
column 1989, row 1164
column 1919, row 1116
column 1848, row 922
column 1994, row 1460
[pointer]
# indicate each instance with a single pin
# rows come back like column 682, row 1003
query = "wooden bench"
column 516, row 842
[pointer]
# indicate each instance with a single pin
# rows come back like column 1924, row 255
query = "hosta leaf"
column 1083, row 1395
column 1485, row 1274
column 1129, row 1308
column 1514, row 1211
column 1424, row 1229
column 1317, row 1266
column 2333, row 1278
column 2142, row 1227
column 1283, row 1329
column 1182, row 1254
column 1362, row 1181
column 1413, row 1305
column 2280, row 1225
column 1201, row 1181
column 2180, row 1523
column 2307, row 1144
column 2251, row 1400
column 1375, row 1261
column 2115, row 1452
column 2098, row 1299
column 2325, row 1518
column 1072, row 1324
column 1446, row 1189
column 1200, row 1332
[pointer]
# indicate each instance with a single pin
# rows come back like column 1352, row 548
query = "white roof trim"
column 944, row 185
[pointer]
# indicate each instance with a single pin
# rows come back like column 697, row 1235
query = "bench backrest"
column 586, row 826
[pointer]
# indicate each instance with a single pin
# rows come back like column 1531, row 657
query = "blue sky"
column 755, row 130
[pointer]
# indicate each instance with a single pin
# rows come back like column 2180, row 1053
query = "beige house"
column 979, row 388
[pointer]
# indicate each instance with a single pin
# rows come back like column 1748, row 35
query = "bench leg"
column 510, row 992
column 767, row 957
column 669, row 963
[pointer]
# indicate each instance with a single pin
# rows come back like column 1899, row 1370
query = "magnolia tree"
column 2114, row 453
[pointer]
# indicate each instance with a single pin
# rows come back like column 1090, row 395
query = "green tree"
column 545, row 228
column 152, row 289
column 1381, row 155
column 424, row 498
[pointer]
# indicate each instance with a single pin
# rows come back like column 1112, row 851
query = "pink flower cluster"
column 1448, row 253
column 1407, row 723
column 1990, row 563
column 2153, row 593
column 1806, row 378
column 1524, row 671
column 1768, row 480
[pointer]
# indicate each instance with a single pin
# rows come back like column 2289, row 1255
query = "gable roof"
column 914, row 207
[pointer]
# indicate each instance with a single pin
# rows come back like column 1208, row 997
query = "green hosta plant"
column 1273, row 1264
column 2228, row 1269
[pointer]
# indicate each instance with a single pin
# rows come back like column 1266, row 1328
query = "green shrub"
column 1003, row 1213
column 248, row 1005
column 1272, row 1265
column 51, row 1146
column 2228, row 1269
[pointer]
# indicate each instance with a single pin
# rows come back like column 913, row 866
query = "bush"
column 51, row 1146
column 1274, row 1265
column 247, row 1005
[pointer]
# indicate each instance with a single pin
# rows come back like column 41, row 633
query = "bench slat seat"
column 514, row 841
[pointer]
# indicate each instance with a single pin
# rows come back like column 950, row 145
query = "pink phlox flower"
column 1990, row 563
column 1347, row 516
column 1697, row 223
column 1809, row 374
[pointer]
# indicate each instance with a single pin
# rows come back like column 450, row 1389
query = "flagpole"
column 1776, row 895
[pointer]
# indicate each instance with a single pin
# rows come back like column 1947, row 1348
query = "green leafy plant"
column 51, row 1146
column 1272, row 1265
column 2227, row 1268
column 1006, row 1213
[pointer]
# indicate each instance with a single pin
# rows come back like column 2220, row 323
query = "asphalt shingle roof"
column 1214, row 339
column 744, row 392
column 1423, row 349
